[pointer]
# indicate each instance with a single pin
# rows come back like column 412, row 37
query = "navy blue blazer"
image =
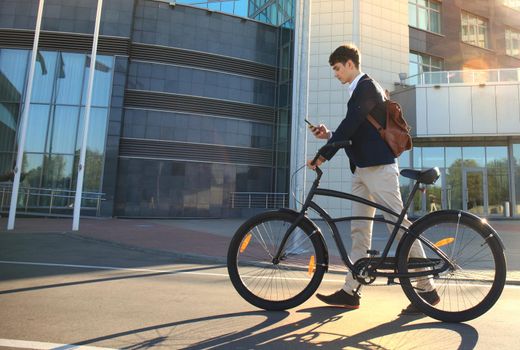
column 368, row 148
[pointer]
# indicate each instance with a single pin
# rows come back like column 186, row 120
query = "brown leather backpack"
column 397, row 132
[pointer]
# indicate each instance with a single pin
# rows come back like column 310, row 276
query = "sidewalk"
column 202, row 239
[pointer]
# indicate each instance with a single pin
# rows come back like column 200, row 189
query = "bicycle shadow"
column 323, row 327
column 399, row 333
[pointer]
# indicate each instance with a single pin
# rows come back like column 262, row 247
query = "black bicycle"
column 276, row 260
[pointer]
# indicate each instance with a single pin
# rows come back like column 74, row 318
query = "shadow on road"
column 106, row 279
column 323, row 327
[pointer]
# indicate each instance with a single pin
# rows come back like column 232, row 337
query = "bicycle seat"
column 426, row 177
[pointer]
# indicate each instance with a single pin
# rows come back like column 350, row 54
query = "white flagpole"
column 23, row 122
column 83, row 150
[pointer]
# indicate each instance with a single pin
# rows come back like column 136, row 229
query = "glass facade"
column 282, row 143
column 199, row 82
column 474, row 30
column 235, row 7
column 425, row 14
column 183, row 189
column 473, row 178
column 56, row 118
column 275, row 12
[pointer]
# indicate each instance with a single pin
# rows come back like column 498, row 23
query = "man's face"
column 346, row 72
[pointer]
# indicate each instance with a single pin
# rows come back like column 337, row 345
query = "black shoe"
column 341, row 299
column 431, row 298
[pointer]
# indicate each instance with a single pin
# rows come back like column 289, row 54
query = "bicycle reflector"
column 312, row 265
column 444, row 242
column 245, row 242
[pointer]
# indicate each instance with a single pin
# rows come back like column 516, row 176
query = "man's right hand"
column 321, row 132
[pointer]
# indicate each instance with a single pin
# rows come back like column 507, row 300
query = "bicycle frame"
column 331, row 222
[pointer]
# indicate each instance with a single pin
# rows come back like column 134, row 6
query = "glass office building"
column 56, row 117
column 191, row 104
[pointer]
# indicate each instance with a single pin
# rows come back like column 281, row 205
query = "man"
column 373, row 165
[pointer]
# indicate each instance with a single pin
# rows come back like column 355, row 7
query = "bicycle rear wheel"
column 275, row 286
column 475, row 283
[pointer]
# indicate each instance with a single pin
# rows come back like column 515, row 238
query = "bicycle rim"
column 298, row 270
column 476, row 281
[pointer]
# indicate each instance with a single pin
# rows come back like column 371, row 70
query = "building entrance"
column 467, row 190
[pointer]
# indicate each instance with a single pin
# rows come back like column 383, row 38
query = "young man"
column 373, row 165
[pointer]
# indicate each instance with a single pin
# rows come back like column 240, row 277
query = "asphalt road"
column 57, row 290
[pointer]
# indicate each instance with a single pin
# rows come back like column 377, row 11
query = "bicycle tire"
column 272, row 286
column 474, row 286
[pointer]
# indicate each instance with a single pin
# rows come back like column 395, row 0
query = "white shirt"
column 352, row 86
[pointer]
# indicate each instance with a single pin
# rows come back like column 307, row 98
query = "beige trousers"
column 379, row 184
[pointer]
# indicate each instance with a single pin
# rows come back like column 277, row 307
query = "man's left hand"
column 317, row 163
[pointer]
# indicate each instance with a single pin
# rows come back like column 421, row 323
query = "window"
column 513, row 43
column 514, row 4
column 425, row 14
column 235, row 7
column 421, row 68
column 55, row 118
column 474, row 30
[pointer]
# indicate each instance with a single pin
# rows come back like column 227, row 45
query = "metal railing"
column 467, row 76
column 49, row 201
column 265, row 200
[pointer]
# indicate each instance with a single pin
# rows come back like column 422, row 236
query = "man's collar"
column 352, row 86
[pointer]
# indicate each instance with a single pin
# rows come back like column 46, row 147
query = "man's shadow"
column 272, row 333
column 285, row 336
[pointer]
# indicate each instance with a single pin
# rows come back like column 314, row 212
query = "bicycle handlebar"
column 338, row 144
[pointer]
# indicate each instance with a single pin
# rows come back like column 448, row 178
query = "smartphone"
column 310, row 124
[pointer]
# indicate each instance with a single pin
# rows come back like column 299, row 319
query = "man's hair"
column 344, row 53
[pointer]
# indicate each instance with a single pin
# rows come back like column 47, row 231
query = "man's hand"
column 321, row 132
column 318, row 162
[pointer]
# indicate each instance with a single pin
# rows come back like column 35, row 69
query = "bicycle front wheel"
column 477, row 277
column 269, row 285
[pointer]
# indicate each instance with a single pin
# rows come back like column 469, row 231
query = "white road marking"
column 95, row 267
column 27, row 344
column 179, row 271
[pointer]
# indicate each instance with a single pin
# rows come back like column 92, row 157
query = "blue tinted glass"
column 64, row 126
column 404, row 160
column 473, row 156
column 70, row 68
column 496, row 155
column 240, row 8
column 102, row 81
column 97, row 130
column 13, row 65
column 432, row 157
column 417, row 157
column 32, row 167
column 37, row 128
column 44, row 77
column 453, row 156
column 58, row 171
column 8, row 125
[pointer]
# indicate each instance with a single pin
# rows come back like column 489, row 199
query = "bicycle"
column 277, row 259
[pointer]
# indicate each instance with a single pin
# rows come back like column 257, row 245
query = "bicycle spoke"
column 282, row 280
column 463, row 288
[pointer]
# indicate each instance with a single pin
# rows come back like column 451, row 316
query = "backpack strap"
column 375, row 123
